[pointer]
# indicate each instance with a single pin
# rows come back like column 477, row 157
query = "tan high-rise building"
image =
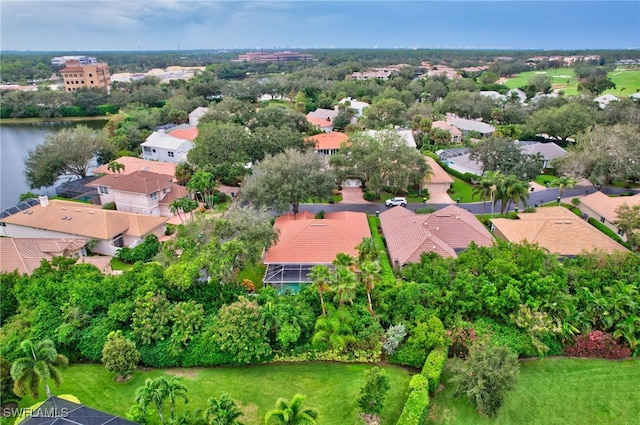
column 77, row 76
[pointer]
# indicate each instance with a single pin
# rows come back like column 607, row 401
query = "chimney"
column 44, row 201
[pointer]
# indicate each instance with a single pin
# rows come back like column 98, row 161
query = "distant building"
column 60, row 61
column 285, row 56
column 456, row 134
column 328, row 143
column 196, row 114
column 77, row 75
column 171, row 146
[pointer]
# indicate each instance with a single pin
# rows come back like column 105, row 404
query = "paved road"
column 538, row 196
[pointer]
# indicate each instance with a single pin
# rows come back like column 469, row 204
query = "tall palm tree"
column 488, row 187
column 345, row 260
column 176, row 207
column 344, row 284
column 152, row 392
column 515, row 191
column 368, row 250
column 564, row 182
column 40, row 364
column 191, row 418
column 320, row 276
column 222, row 411
column 173, row 389
column 335, row 330
column 291, row 413
column 369, row 276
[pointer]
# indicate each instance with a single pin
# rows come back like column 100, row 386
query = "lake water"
column 15, row 142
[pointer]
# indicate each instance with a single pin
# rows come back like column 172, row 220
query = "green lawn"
column 556, row 392
column 118, row 264
column 330, row 387
column 627, row 79
column 462, row 190
column 254, row 273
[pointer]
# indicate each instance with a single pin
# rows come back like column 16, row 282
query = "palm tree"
column 152, row 392
column 488, row 187
column 222, row 411
column 292, row 413
column 345, row 260
column 191, row 418
column 183, row 173
column 370, row 275
column 368, row 250
column 320, row 278
column 115, row 167
column 335, row 330
column 175, row 207
column 173, row 389
column 40, row 365
column 344, row 283
column 564, row 182
column 515, row 191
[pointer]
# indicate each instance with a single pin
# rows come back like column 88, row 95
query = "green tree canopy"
column 563, row 122
column 120, row 355
column 40, row 364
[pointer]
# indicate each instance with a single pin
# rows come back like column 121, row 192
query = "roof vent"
column 63, row 208
column 78, row 210
column 437, row 228
column 92, row 212
column 44, row 201
column 457, row 217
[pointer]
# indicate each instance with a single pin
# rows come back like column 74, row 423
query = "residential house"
column 405, row 135
column 456, row 134
column 605, row 100
column 603, row 208
column 539, row 96
column 467, row 126
column 59, row 411
column 169, row 146
column 494, row 95
column 196, row 114
column 437, row 183
column 25, row 255
column 548, row 151
column 305, row 241
column 328, row 143
column 447, row 232
column 132, row 164
column 140, row 192
column 555, row 229
column 111, row 230
column 354, row 104
column 517, row 93
column 323, row 118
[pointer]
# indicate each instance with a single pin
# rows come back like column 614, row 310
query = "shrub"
column 159, row 354
column 320, row 215
column 575, row 202
column 423, row 338
column 119, row 355
column 597, row 344
column 371, row 397
column 425, row 210
column 109, row 206
column 370, row 196
column 143, row 252
column 604, row 229
column 392, row 339
column 461, row 336
column 417, row 404
column 433, row 367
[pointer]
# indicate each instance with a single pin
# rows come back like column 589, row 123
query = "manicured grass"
column 629, row 79
column 462, row 190
column 331, row 388
column 542, row 178
column 560, row 391
column 563, row 79
column 118, row 264
column 254, row 273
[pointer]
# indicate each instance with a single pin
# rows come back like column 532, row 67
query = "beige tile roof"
column 144, row 182
column 331, row 140
column 176, row 192
column 438, row 174
column 26, row 254
column 556, row 229
column 132, row 164
column 86, row 220
column 320, row 122
column 306, row 240
column 443, row 125
column 606, row 206
column 445, row 232
column 102, row 262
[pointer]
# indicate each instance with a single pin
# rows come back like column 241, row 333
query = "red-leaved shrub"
column 597, row 344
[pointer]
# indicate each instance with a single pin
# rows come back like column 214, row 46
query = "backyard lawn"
column 462, row 190
column 331, row 388
column 556, row 391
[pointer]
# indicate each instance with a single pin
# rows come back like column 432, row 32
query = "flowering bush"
column 597, row 344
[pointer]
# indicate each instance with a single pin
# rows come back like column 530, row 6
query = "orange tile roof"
column 24, row 255
column 133, row 164
column 438, row 175
column 306, row 240
column 185, row 133
column 331, row 140
column 606, row 206
column 320, row 122
column 86, row 220
column 144, row 182
column 557, row 230
column 445, row 232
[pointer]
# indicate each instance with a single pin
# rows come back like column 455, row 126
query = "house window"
column 103, row 190
column 146, row 149
column 118, row 241
column 170, row 154
column 601, row 219
column 91, row 81
column 154, row 196
column 90, row 75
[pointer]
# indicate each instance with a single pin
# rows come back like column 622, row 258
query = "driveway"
column 439, row 197
column 353, row 195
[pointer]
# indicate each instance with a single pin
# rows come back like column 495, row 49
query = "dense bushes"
column 143, row 252
column 417, row 404
column 433, row 367
column 597, row 344
column 604, row 229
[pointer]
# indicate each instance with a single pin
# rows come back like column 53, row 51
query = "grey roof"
column 323, row 113
column 57, row 411
column 471, row 125
column 159, row 139
column 548, row 150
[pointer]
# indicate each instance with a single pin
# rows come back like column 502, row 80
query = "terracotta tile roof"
column 176, row 192
column 443, row 125
column 438, row 174
column 320, row 122
column 185, row 133
column 606, row 206
column 144, row 182
column 26, row 254
column 445, row 232
column 556, row 229
column 132, row 164
column 85, row 220
column 102, row 262
column 305, row 240
column 329, row 140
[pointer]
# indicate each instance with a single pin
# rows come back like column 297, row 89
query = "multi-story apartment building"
column 77, row 75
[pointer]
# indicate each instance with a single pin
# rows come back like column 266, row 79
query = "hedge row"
column 468, row 177
column 415, row 409
column 604, row 229
column 386, row 271
column 433, row 367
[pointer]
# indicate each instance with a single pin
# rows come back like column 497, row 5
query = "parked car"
column 396, row 201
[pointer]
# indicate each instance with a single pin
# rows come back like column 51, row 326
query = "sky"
column 98, row 25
